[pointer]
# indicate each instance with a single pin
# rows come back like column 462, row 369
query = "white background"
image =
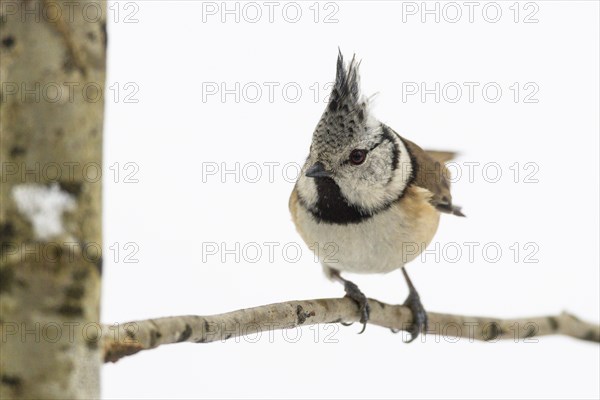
column 170, row 54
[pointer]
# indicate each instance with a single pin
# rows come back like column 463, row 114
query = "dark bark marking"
column 553, row 323
column 7, row 278
column 70, row 310
column 74, row 188
column 80, row 274
column 75, row 292
column 16, row 151
column 494, row 331
column 591, row 336
column 99, row 264
column 530, row 332
column 185, row 335
column 302, row 315
column 104, row 34
column 154, row 336
column 7, row 231
column 11, row 380
column 8, row 41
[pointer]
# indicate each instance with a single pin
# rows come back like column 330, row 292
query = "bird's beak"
column 317, row 170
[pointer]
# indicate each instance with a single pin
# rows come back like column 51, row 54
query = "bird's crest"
column 346, row 89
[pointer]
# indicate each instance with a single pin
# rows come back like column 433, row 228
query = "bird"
column 370, row 193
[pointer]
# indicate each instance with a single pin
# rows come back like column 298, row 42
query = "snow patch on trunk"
column 43, row 206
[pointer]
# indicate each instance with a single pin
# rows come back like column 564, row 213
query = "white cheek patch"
column 403, row 171
column 365, row 186
column 383, row 189
column 307, row 189
column 363, row 194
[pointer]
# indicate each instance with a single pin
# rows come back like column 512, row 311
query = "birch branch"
column 126, row 339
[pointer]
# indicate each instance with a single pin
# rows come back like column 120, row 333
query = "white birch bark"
column 52, row 71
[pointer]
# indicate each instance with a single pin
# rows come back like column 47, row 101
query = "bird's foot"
column 419, row 315
column 353, row 292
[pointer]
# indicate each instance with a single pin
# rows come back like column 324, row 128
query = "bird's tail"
column 441, row 156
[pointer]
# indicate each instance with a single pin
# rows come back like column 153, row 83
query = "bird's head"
column 354, row 158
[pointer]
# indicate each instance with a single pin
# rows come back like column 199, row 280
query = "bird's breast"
column 379, row 244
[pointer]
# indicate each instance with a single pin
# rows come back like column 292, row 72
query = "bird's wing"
column 430, row 173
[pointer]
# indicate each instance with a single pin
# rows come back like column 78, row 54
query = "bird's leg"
column 419, row 315
column 353, row 292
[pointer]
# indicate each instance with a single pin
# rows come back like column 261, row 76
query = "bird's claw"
column 420, row 322
column 353, row 292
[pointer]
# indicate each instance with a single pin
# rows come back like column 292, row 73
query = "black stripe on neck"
column 389, row 135
column 333, row 207
column 414, row 165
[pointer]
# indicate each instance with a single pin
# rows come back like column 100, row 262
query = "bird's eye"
column 358, row 157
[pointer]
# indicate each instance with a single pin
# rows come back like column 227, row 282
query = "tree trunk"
column 52, row 68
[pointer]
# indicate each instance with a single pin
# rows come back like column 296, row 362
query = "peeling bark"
column 51, row 113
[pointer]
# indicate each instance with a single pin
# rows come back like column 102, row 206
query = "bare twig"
column 127, row 339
